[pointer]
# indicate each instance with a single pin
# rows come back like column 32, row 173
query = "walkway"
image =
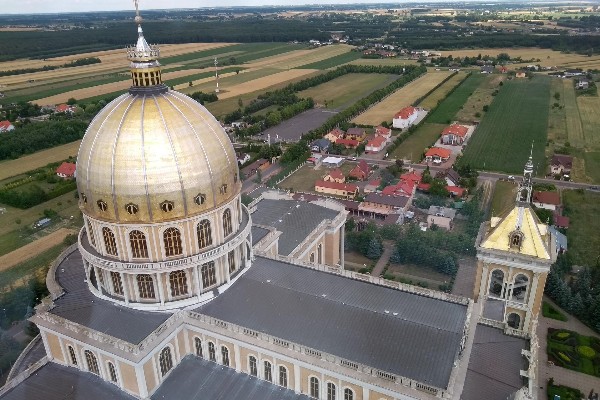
column 388, row 249
column 562, row 376
column 465, row 277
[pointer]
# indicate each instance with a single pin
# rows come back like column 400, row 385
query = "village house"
column 520, row 74
column 242, row 158
column 64, row 108
column 402, row 188
column 437, row 155
column 6, row 126
column 345, row 190
column 379, row 204
column 356, row 134
column 440, row 216
column 560, row 221
column 411, row 177
column 66, row 170
column 454, row 134
column 332, row 162
column 348, row 143
column 372, row 186
column 583, row 83
column 334, row 135
column 547, row 200
column 376, row 144
column 258, row 165
column 383, row 131
column 451, row 177
column 487, row 69
column 361, row 171
column 405, row 118
column 561, row 165
column 320, row 145
column 456, row 191
column 335, row 175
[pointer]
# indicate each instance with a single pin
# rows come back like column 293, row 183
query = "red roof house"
column 383, row 131
column 335, row 175
column 454, row 135
column 361, row 171
column 561, row 221
column 348, row 143
column 6, row 126
column 402, row 188
column 423, row 187
column 376, row 144
column 405, row 117
column 456, row 191
column 547, row 200
column 437, row 155
column 66, row 170
column 334, row 135
column 347, row 190
column 411, row 177
column 63, row 108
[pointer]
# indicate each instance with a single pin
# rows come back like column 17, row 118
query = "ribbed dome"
column 155, row 157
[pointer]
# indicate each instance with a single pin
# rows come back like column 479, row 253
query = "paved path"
column 562, row 376
column 465, row 277
column 388, row 249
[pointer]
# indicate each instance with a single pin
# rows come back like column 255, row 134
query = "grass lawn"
column 504, row 197
column 333, row 61
column 583, row 208
column 517, row 117
column 573, row 351
column 415, row 274
column 440, row 93
column 356, row 261
column 557, row 116
column 344, row 90
column 550, row 312
column 304, row 179
column 413, row 147
column 590, row 118
column 481, row 96
column 565, row 392
column 592, row 165
column 16, row 275
column 452, row 104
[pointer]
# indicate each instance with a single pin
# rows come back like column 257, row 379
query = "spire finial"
column 531, row 152
column 138, row 17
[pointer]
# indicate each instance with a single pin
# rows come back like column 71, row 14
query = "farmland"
column 504, row 197
column 440, row 93
column 333, row 61
column 414, row 146
column 517, row 117
column 38, row 160
column 583, row 208
column 482, row 95
column 405, row 96
column 446, row 111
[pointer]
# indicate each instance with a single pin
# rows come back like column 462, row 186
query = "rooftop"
column 417, row 337
column 349, row 187
column 546, row 198
column 389, row 200
column 455, row 129
column 438, row 152
column 405, row 112
column 258, row 233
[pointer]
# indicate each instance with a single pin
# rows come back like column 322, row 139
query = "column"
column 161, row 293
column 532, row 294
column 197, row 282
column 485, row 282
column 238, row 361
column 297, row 385
column 342, row 244
column 125, row 287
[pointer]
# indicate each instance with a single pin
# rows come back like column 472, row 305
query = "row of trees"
column 33, row 195
column 75, row 63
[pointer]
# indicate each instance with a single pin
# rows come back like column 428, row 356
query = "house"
column 382, row 205
column 487, row 69
column 361, row 171
column 451, row 176
column 242, row 158
column 356, row 134
column 372, row 186
column 64, row 108
column 348, row 143
column 454, row 134
column 573, row 72
column 411, row 177
column 402, row 188
column 547, row 200
column 383, row 131
column 376, row 144
column 437, row 155
column 346, row 190
column 335, row 175
column 440, row 216
column 332, row 161
column 521, row 74
column 561, row 165
column 320, row 145
column 6, row 126
column 561, row 221
column 456, row 191
column 334, row 135
column 258, row 165
column 560, row 244
column 583, row 83
column 66, row 170
column 405, row 117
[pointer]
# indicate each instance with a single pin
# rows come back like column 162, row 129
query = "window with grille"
column 200, row 199
column 112, row 372
column 268, row 372
column 320, row 253
column 109, row 241
column 165, row 360
column 132, row 208
column 231, row 261
column 211, row 352
column 348, row 394
column 167, row 206
column 92, row 362
column 227, row 227
column 312, row 257
column 283, row 378
column 139, row 247
column 223, row 189
column 331, row 389
column 252, row 366
column 314, row 387
column 225, row 355
column 172, row 240
column 73, row 356
column 91, row 234
column 209, row 277
column 198, row 346
column 115, row 277
column 178, row 282
column 102, row 205
column 204, row 234
column 145, row 286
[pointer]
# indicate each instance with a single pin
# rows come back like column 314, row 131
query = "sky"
column 59, row 6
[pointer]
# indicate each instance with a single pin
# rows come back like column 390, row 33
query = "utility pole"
column 217, row 74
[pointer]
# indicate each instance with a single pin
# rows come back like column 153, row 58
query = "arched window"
column 519, row 288
column 172, row 239
column 198, row 346
column 112, row 372
column 331, row 389
column 211, row 352
column 268, row 372
column 225, row 355
column 283, row 379
column 514, row 321
column 165, row 360
column 320, row 253
column 139, row 248
column 314, row 387
column 117, row 284
column 348, row 394
column 204, row 234
column 145, row 286
column 209, row 277
column 132, row 208
column 109, row 241
column 252, row 366
column 312, row 257
column 231, row 261
column 92, row 363
column 178, row 282
column 91, row 234
column 496, row 283
column 227, row 228
column 73, row 356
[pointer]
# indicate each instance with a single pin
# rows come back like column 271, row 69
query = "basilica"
column 177, row 290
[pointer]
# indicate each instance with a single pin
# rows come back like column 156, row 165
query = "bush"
column 586, row 351
column 550, row 312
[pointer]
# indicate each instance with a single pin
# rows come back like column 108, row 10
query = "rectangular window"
column 209, row 277
column 117, row 283
column 231, row 260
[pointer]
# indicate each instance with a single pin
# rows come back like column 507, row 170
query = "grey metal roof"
column 56, row 382
column 199, row 379
column 294, row 219
column 493, row 372
column 258, row 233
column 388, row 200
column 79, row 305
column 35, row 353
column 493, row 309
column 419, row 337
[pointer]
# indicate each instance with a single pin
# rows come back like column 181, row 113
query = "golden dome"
column 151, row 157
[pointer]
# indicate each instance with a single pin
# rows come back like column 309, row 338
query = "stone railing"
column 515, row 332
column 492, row 322
column 219, row 326
column 53, row 287
column 11, row 384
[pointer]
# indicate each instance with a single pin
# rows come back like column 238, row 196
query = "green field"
column 14, row 275
column 504, row 197
column 333, row 61
column 414, row 146
column 440, row 93
column 304, row 179
column 449, row 107
column 517, row 117
column 343, row 91
column 583, row 209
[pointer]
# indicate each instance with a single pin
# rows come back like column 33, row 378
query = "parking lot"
column 292, row 129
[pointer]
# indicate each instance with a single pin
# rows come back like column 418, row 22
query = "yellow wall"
column 128, row 377
column 149, row 374
column 54, row 345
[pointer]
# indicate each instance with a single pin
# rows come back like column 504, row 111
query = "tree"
column 258, row 178
column 240, row 102
column 71, row 101
column 557, row 95
column 375, row 248
column 350, row 225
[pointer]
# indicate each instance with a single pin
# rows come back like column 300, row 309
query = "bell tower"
column 514, row 256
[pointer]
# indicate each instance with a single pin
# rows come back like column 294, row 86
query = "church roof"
column 394, row 331
column 534, row 233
